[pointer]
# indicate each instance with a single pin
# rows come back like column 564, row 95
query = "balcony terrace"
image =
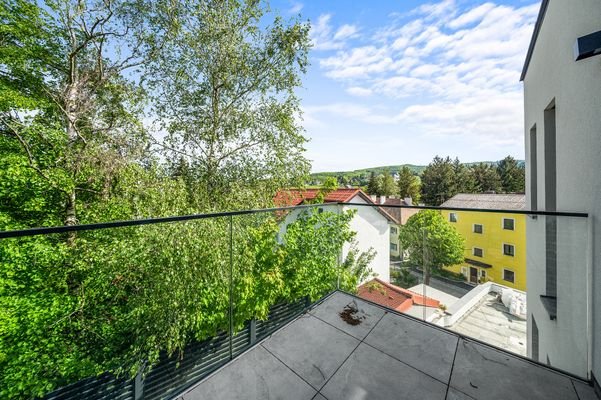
column 347, row 348
column 342, row 346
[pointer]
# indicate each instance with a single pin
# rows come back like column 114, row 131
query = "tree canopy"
column 230, row 107
column 431, row 241
column 409, row 185
column 382, row 184
column 512, row 175
column 79, row 83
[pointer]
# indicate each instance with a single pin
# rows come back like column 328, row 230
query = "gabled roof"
column 537, row 26
column 487, row 201
column 395, row 212
column 392, row 296
column 295, row 197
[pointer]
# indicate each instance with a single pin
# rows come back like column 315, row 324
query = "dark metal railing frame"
column 230, row 214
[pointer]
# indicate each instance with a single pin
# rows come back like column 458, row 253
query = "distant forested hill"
column 360, row 177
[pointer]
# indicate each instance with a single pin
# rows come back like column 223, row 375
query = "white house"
column 370, row 223
column 562, row 99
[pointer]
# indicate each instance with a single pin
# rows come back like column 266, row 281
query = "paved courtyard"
column 345, row 348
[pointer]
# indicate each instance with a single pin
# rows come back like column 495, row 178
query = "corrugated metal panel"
column 174, row 374
column 103, row 387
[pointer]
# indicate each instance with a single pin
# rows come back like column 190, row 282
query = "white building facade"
column 372, row 227
column 562, row 100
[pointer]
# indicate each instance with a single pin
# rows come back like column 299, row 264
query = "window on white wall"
column 394, row 247
column 393, row 230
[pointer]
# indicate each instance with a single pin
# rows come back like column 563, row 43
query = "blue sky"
column 395, row 82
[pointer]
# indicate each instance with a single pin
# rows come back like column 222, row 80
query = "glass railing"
column 516, row 280
column 146, row 308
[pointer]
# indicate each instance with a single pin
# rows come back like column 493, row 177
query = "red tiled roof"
column 394, row 297
column 294, row 197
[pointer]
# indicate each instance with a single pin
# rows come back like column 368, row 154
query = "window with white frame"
column 508, row 275
column 508, row 224
column 452, row 217
column 508, row 249
column 394, row 247
column 393, row 230
column 478, row 252
column 478, row 228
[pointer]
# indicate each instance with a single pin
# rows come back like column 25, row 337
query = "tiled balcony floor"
column 385, row 356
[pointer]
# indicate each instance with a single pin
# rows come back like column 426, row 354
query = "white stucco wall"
column 576, row 88
column 372, row 230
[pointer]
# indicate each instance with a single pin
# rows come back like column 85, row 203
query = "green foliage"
column 409, row 185
column 111, row 299
column 439, row 181
column 328, row 186
column 233, row 70
column 382, row 184
column 360, row 177
column 402, row 277
column 512, row 175
column 486, row 178
column 312, row 245
column 431, row 241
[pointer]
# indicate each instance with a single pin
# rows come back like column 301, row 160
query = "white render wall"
column 576, row 88
column 373, row 231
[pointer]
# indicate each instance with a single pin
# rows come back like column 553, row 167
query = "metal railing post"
column 231, row 296
column 139, row 384
column 252, row 330
column 338, row 210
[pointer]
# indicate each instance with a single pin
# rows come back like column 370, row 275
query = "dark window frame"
column 506, row 252
column 512, row 272
column 512, row 224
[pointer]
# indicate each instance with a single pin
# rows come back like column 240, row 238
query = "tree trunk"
column 71, row 215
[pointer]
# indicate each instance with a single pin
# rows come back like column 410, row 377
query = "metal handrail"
column 191, row 217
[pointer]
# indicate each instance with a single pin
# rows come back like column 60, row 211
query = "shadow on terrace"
column 265, row 305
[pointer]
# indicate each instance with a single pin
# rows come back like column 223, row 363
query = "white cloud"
column 324, row 37
column 346, row 31
column 359, row 91
column 296, row 8
column 471, row 16
column 455, row 69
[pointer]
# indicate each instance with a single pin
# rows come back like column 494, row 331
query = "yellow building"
column 495, row 243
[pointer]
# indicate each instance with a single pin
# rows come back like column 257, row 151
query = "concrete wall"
column 575, row 88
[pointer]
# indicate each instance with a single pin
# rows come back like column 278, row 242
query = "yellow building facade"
column 495, row 244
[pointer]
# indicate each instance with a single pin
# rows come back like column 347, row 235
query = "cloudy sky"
column 394, row 82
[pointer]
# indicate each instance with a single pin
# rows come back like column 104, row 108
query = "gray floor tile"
column 428, row 349
column 371, row 374
column 485, row 373
column 367, row 314
column 318, row 396
column 255, row 375
column 454, row 394
column 311, row 348
column 585, row 392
